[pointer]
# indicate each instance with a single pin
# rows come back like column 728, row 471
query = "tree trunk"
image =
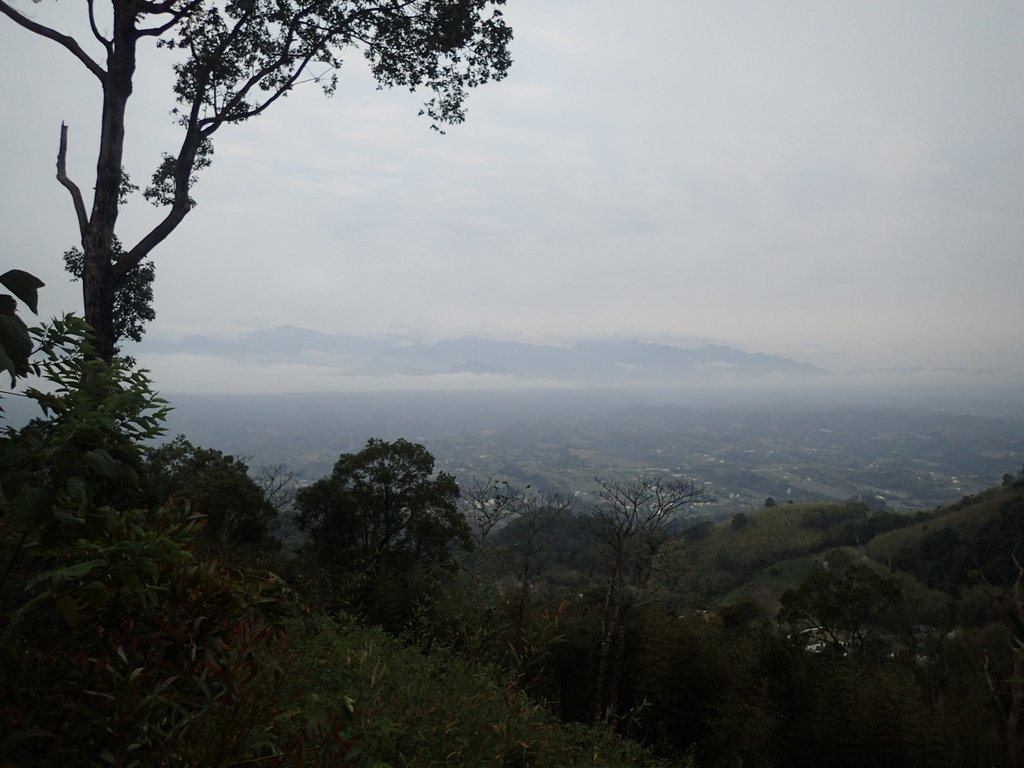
column 99, row 279
column 98, row 295
column 609, row 627
column 1013, row 716
column 617, row 663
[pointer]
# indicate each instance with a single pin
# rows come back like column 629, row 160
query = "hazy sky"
column 839, row 182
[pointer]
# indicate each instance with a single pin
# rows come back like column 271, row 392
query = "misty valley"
column 902, row 457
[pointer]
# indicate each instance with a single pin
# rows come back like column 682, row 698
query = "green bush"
column 118, row 646
column 407, row 707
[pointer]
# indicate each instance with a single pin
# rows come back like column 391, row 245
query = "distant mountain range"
column 594, row 361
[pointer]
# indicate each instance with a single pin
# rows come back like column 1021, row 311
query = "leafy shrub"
column 410, row 708
column 118, row 646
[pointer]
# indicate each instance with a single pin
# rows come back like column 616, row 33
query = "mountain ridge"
column 398, row 355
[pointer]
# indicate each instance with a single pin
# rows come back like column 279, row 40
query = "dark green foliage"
column 133, row 301
column 1014, row 480
column 15, row 340
column 128, row 648
column 837, row 612
column 971, row 540
column 851, row 524
column 698, row 531
column 215, row 485
column 570, row 557
column 382, row 510
column 86, row 444
column 409, row 708
column 854, row 713
column 117, row 645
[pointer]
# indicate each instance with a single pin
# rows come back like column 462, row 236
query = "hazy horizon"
column 295, row 360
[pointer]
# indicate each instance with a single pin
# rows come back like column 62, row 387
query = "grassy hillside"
column 775, row 545
column 958, row 545
column 952, row 550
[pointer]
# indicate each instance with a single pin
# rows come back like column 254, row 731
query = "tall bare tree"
column 634, row 522
column 233, row 59
column 487, row 504
column 490, row 504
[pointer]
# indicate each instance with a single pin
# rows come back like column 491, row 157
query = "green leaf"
column 62, row 575
column 23, row 285
column 77, row 571
column 96, row 594
column 68, row 608
column 32, row 508
column 103, row 463
column 128, row 578
column 15, row 343
column 6, row 364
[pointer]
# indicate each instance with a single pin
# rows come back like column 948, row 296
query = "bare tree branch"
column 165, row 8
column 51, row 34
column 634, row 522
column 144, row 6
column 488, row 503
column 95, row 30
column 62, row 177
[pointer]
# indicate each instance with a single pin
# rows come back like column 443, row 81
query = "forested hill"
column 758, row 555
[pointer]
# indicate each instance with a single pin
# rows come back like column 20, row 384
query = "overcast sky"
column 839, row 182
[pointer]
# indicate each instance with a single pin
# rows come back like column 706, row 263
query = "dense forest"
column 151, row 616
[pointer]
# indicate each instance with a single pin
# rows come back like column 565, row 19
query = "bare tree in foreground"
column 634, row 522
column 490, row 505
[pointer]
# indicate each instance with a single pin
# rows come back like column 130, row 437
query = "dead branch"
column 62, row 177
column 51, row 34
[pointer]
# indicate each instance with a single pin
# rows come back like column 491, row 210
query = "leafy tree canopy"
column 837, row 608
column 217, row 486
column 382, row 509
column 133, row 304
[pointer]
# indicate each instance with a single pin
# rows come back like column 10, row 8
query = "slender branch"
column 51, row 34
column 182, row 202
column 62, row 177
column 145, row 6
column 164, row 8
column 157, row 235
column 184, row 164
column 202, row 128
column 157, row 31
column 95, row 30
column 226, row 115
column 347, row 25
